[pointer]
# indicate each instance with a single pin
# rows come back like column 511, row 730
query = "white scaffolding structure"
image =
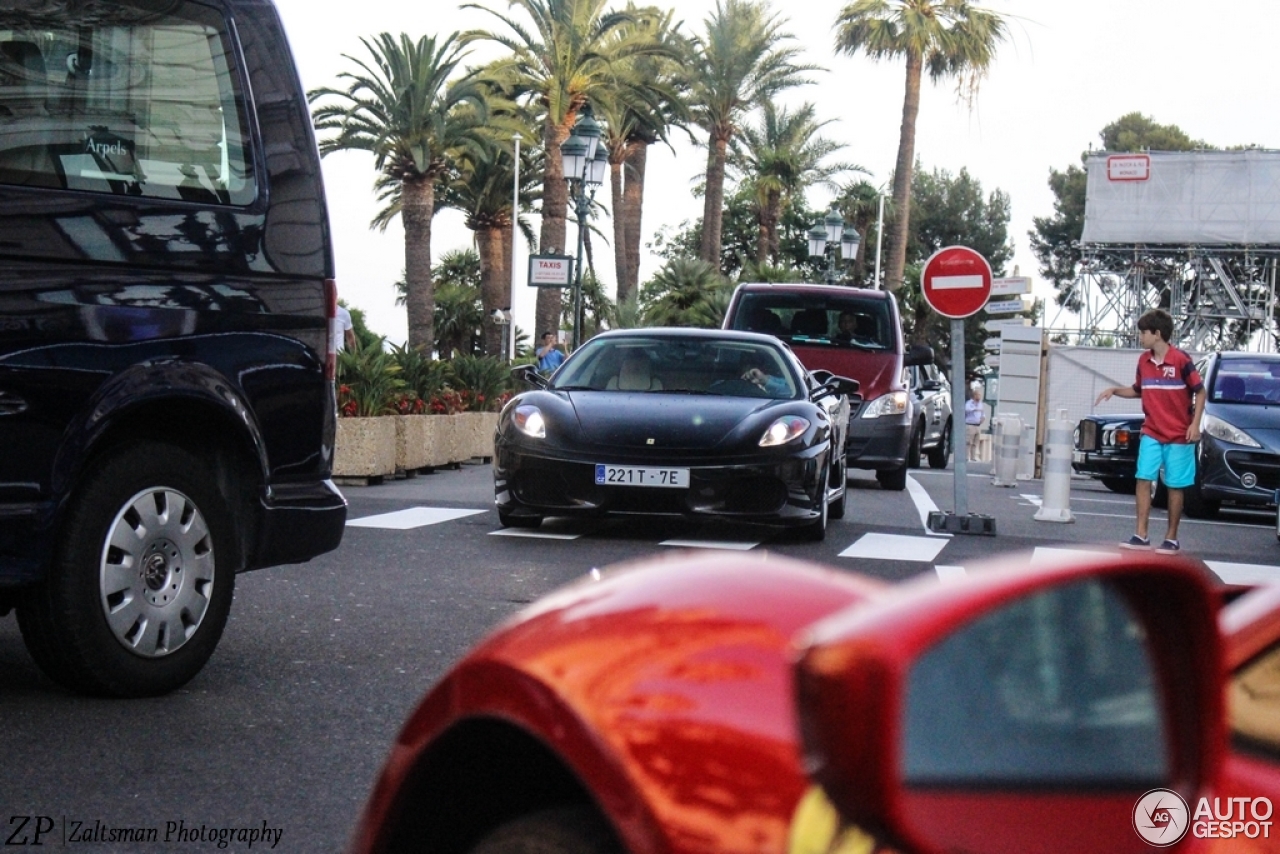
column 1196, row 233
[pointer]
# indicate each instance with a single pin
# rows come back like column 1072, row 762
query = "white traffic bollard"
column 1055, row 506
column 1007, row 436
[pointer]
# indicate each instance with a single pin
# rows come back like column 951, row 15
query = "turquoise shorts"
column 1178, row 462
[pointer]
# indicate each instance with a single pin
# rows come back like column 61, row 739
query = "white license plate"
column 641, row 476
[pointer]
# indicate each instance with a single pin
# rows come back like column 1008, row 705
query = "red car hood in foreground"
column 672, row 697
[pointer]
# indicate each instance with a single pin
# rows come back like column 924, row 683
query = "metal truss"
column 1221, row 297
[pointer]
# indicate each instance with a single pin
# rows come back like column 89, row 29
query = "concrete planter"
column 415, row 441
column 476, row 433
column 365, row 447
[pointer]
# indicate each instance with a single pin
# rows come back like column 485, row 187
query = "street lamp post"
column 579, row 155
column 826, row 235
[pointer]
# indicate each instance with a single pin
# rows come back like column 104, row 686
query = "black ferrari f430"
column 695, row 423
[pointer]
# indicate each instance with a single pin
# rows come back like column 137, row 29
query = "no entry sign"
column 956, row 281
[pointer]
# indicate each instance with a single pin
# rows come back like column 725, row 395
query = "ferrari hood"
column 639, row 420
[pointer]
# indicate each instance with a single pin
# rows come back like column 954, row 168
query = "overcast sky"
column 1069, row 68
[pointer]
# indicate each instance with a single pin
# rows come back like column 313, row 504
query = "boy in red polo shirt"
column 1173, row 403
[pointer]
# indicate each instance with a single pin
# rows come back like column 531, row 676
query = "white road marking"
column 533, row 534
column 413, row 517
column 1244, row 573
column 1048, row 556
column 710, row 544
column 924, row 506
column 896, row 547
column 949, row 573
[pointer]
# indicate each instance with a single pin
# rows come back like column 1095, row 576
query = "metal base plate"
column 941, row 522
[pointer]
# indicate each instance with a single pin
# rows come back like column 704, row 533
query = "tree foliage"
column 949, row 38
column 406, row 107
column 952, row 210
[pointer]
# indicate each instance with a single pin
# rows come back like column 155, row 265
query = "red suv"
column 852, row 333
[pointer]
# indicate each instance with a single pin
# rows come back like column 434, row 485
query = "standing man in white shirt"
column 344, row 331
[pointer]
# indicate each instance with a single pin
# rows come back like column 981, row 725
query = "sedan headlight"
column 528, row 420
column 893, row 403
column 784, row 430
column 1227, row 432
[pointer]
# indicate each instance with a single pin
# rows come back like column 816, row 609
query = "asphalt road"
column 286, row 727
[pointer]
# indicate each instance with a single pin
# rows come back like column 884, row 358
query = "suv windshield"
column 835, row 320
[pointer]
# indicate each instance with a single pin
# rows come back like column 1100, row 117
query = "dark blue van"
column 166, row 302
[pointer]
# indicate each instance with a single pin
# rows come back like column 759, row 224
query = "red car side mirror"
column 1022, row 710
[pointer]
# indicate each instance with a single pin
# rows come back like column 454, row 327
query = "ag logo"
column 1160, row 817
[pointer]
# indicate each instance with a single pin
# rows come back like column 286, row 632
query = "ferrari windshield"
column 680, row 364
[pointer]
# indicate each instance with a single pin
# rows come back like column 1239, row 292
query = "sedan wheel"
column 940, row 453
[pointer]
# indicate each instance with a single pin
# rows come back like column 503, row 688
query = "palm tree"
column 737, row 64
column 685, row 292
column 952, row 38
column 637, row 115
column 482, row 191
column 402, row 107
column 569, row 57
column 780, row 159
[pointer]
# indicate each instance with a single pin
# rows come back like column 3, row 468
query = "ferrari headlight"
column 1219, row 429
column 528, row 420
column 784, row 430
column 893, row 403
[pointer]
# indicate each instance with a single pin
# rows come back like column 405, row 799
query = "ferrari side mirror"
column 529, row 374
column 1018, row 699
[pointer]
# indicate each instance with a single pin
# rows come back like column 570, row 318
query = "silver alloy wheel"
column 156, row 574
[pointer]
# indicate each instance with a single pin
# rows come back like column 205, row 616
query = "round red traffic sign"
column 956, row 281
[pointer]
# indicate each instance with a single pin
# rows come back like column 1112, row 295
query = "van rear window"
column 128, row 98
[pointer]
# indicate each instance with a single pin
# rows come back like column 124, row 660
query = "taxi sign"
column 956, row 281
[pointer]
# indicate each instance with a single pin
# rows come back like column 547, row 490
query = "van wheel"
column 142, row 580
column 894, row 480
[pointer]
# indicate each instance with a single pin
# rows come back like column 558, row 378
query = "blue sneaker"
column 1139, row 544
column 1169, row 547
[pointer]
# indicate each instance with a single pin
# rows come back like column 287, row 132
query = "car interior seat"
column 636, row 374
column 764, row 320
column 811, row 322
column 1229, row 389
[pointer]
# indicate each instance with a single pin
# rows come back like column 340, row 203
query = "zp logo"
column 1160, row 817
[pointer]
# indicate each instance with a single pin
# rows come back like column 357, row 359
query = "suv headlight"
column 893, row 403
column 1227, row 432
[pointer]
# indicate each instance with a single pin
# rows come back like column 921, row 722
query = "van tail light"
column 331, row 314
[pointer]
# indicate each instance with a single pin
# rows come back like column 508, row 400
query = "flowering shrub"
column 405, row 382
column 409, row 404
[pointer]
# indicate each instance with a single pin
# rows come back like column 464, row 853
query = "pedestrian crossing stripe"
column 412, row 517
column 895, row 547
